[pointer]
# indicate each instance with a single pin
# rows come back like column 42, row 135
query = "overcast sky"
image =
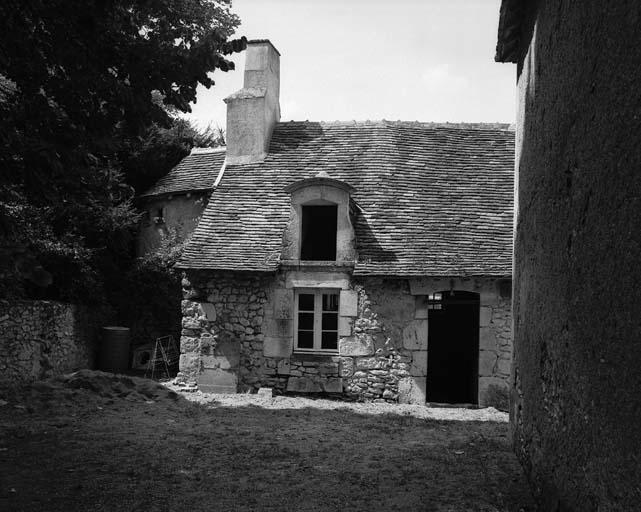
column 425, row 60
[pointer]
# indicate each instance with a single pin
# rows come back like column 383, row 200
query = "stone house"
column 371, row 260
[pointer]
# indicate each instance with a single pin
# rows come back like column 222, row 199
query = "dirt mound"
column 109, row 385
column 105, row 385
column 87, row 388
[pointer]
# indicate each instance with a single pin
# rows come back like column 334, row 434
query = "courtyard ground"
column 93, row 441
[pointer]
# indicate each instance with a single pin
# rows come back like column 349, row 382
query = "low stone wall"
column 238, row 335
column 39, row 339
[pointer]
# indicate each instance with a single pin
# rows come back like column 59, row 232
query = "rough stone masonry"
column 238, row 335
column 43, row 338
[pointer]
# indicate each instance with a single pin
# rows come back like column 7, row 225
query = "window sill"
column 313, row 356
column 317, row 265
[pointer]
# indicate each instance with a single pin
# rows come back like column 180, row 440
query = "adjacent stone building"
column 172, row 207
column 576, row 405
column 370, row 260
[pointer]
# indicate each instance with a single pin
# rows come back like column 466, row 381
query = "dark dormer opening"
column 319, row 227
column 318, row 233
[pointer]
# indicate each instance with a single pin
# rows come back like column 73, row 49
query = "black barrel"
column 114, row 349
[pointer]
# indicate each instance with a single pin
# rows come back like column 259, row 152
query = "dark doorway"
column 318, row 233
column 453, row 347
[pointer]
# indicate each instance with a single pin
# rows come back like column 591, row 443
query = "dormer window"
column 318, row 233
column 319, row 228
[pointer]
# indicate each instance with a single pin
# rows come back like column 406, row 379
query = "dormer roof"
column 321, row 179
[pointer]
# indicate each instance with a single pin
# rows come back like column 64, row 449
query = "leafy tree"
column 87, row 85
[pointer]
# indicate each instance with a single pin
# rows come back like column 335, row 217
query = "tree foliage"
column 87, row 97
column 147, row 299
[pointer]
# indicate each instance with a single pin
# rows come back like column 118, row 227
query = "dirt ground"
column 93, row 441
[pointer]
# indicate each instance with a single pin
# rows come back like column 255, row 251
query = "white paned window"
column 434, row 301
column 316, row 320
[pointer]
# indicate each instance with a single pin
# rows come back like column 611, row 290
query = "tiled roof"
column 197, row 171
column 432, row 200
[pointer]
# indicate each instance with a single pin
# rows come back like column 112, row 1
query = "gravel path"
column 297, row 402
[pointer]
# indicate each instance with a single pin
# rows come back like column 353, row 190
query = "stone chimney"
column 253, row 111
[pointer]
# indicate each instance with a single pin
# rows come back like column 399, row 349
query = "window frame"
column 318, row 320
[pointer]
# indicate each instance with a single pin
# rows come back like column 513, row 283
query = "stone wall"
column 238, row 335
column 576, row 406
column 380, row 361
column 39, row 339
column 222, row 340
column 495, row 352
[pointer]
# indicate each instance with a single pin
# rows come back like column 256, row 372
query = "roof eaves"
column 509, row 33
column 405, row 274
column 186, row 191
column 185, row 265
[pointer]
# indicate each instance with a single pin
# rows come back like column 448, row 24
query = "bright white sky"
column 425, row 60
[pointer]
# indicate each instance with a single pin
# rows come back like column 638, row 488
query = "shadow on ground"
column 80, row 449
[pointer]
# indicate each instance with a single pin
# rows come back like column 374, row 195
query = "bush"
column 148, row 297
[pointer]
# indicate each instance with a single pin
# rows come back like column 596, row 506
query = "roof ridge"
column 421, row 124
column 205, row 151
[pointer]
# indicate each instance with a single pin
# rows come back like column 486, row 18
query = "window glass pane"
column 305, row 339
column 330, row 302
column 329, row 340
column 306, row 321
column 305, row 302
column 330, row 321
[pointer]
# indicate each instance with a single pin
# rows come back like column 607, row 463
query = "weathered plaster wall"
column 181, row 215
column 238, row 334
column 40, row 339
column 576, row 401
